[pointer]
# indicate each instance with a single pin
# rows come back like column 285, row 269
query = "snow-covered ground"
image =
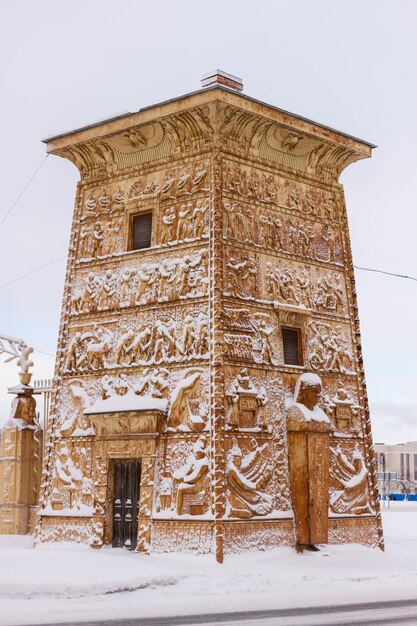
column 69, row 582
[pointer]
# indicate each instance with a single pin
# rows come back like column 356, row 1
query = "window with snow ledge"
column 291, row 339
column 140, row 231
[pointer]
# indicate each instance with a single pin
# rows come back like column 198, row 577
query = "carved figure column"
column 216, row 356
column 100, row 476
column 49, row 433
column 146, row 498
column 20, row 464
column 308, row 455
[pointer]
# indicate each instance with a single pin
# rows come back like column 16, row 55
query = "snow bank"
column 66, row 582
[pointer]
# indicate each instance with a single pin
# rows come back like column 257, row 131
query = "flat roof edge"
column 200, row 91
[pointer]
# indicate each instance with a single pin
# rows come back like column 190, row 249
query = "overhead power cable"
column 368, row 269
column 38, row 269
column 42, row 352
column 23, row 190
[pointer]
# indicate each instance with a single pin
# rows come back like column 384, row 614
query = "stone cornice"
column 198, row 122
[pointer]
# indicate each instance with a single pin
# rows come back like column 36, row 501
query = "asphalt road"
column 377, row 613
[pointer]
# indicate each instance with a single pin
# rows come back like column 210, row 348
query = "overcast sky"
column 348, row 64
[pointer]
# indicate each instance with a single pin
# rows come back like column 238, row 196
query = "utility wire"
column 38, row 269
column 42, row 352
column 23, row 190
column 368, row 269
column 358, row 267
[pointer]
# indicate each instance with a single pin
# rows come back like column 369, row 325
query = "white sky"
column 349, row 64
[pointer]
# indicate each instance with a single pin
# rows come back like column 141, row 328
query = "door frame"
column 124, row 436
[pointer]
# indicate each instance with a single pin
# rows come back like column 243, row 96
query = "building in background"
column 400, row 460
column 209, row 266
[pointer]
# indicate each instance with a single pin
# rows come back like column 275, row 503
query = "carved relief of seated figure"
column 350, row 473
column 191, row 478
column 246, row 477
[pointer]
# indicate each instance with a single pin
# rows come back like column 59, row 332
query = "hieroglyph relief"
column 178, row 223
column 183, row 489
column 342, row 406
column 184, row 394
column 103, row 219
column 294, row 286
column 100, row 240
column 247, row 404
column 248, row 473
column 242, row 276
column 349, row 474
column 162, row 342
column 77, row 424
column 329, row 348
column 255, row 339
column 190, row 481
column 269, row 188
column 188, row 404
column 150, row 283
column 279, row 232
column 72, row 486
column 184, row 222
column 254, row 277
column 163, row 185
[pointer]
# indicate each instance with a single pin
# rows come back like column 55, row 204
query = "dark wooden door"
column 125, row 504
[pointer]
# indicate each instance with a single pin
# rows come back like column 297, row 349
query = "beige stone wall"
column 163, row 288
column 291, row 232
column 249, row 236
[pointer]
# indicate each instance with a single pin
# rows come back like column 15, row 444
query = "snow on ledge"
column 128, row 402
column 81, row 511
column 17, row 423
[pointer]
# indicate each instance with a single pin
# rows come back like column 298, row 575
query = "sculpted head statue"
column 307, row 390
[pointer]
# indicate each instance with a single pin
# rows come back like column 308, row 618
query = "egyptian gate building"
column 209, row 265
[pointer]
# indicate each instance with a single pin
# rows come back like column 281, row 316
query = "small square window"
column 291, row 338
column 141, row 231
